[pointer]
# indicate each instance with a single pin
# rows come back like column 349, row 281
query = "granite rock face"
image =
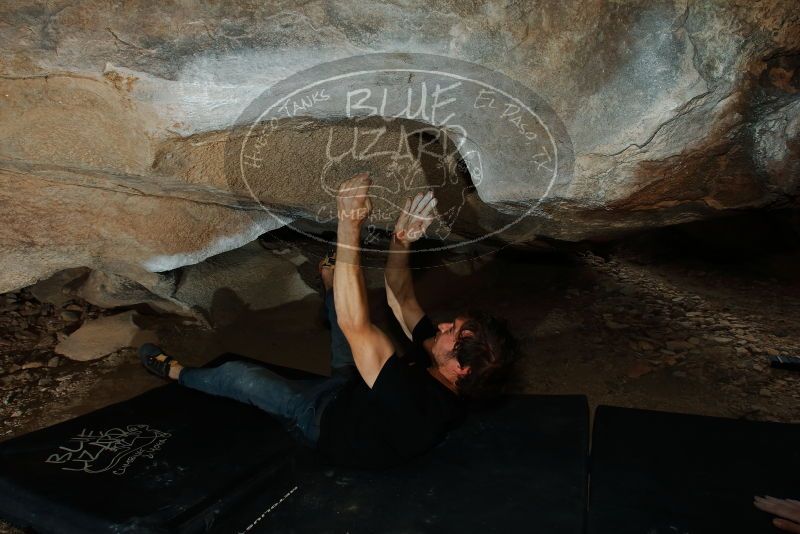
column 117, row 121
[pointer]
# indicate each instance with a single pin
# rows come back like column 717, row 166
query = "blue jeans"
column 297, row 403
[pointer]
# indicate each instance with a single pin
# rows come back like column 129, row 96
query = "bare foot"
column 326, row 273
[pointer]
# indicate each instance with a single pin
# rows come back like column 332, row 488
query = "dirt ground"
column 634, row 326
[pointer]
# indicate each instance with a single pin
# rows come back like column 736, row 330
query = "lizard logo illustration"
column 485, row 144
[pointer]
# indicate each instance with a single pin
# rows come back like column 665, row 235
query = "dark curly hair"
column 489, row 352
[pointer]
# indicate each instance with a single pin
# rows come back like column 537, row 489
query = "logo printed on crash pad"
column 112, row 450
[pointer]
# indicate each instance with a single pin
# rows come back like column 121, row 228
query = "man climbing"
column 376, row 408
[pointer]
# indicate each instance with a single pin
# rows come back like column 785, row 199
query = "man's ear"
column 463, row 371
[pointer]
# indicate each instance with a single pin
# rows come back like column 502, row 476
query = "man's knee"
column 257, row 385
column 237, row 375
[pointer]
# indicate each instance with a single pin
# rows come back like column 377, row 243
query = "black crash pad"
column 658, row 473
column 517, row 467
column 169, row 460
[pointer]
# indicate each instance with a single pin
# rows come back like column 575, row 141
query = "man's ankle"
column 175, row 370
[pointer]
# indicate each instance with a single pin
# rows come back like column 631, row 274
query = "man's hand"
column 787, row 510
column 417, row 215
column 352, row 201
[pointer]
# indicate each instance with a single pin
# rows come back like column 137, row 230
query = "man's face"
column 445, row 340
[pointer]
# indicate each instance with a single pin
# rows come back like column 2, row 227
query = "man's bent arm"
column 400, row 286
column 414, row 219
column 370, row 346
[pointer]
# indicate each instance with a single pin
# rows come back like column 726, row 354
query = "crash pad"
column 657, row 473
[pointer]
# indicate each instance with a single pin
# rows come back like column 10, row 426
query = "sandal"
column 148, row 354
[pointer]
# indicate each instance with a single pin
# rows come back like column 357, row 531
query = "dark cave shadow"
column 294, row 335
column 521, row 288
column 290, row 335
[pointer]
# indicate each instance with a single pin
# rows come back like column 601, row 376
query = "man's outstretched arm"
column 415, row 218
column 370, row 346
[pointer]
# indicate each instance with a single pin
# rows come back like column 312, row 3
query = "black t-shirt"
column 406, row 412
